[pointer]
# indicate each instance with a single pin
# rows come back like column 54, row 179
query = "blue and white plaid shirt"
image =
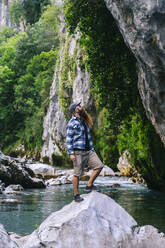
column 75, row 137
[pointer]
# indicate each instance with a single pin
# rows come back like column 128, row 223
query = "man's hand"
column 72, row 157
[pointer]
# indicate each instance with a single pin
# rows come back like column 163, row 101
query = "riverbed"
column 24, row 212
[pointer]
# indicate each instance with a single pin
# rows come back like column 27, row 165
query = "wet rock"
column 2, row 187
column 5, row 241
column 13, row 189
column 10, row 201
column 115, row 185
column 12, row 171
column 59, row 181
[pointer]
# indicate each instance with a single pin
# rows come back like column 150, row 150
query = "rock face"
column 76, row 88
column 5, row 241
column 4, row 13
column 98, row 222
column 142, row 26
column 12, row 171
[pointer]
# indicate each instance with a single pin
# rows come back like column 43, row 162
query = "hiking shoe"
column 78, row 198
column 90, row 188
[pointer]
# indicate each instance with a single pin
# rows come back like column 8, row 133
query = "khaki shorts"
column 85, row 159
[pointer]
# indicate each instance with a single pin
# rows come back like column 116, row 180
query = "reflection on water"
column 27, row 211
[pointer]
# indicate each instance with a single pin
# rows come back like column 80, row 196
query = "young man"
column 80, row 149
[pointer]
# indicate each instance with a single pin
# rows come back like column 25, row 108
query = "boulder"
column 106, row 171
column 124, row 165
column 12, row 171
column 13, row 189
column 42, row 169
column 98, row 222
column 149, row 237
column 5, row 241
column 59, row 181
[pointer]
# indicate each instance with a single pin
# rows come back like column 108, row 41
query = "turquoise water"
column 29, row 209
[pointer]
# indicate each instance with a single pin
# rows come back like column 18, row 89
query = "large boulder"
column 98, row 222
column 42, row 169
column 124, row 166
column 5, row 241
column 12, row 171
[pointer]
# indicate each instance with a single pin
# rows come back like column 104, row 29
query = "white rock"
column 5, row 241
column 98, row 222
column 64, row 172
column 43, row 169
column 13, row 189
column 124, row 165
column 59, row 181
column 149, row 237
column 106, row 171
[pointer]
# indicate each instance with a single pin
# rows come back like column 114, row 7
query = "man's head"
column 74, row 107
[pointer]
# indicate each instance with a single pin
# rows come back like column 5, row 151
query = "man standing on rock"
column 80, row 149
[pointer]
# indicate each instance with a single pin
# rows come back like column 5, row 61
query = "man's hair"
column 84, row 116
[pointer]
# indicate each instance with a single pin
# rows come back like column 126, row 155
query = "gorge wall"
column 70, row 84
column 142, row 26
column 4, row 13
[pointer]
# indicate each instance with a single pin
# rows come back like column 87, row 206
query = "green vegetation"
column 112, row 70
column 27, row 62
column 27, row 11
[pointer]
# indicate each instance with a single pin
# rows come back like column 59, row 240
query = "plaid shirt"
column 75, row 137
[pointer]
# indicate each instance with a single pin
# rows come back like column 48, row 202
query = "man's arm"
column 69, row 139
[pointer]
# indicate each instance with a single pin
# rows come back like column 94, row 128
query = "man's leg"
column 93, row 176
column 75, row 184
column 94, row 163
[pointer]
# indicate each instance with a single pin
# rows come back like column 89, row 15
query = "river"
column 23, row 213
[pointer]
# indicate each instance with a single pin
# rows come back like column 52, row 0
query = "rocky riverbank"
column 26, row 174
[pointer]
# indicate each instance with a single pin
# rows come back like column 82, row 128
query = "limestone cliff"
column 142, row 26
column 70, row 84
column 4, row 13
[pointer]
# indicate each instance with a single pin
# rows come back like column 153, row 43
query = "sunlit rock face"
column 142, row 24
column 55, row 121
